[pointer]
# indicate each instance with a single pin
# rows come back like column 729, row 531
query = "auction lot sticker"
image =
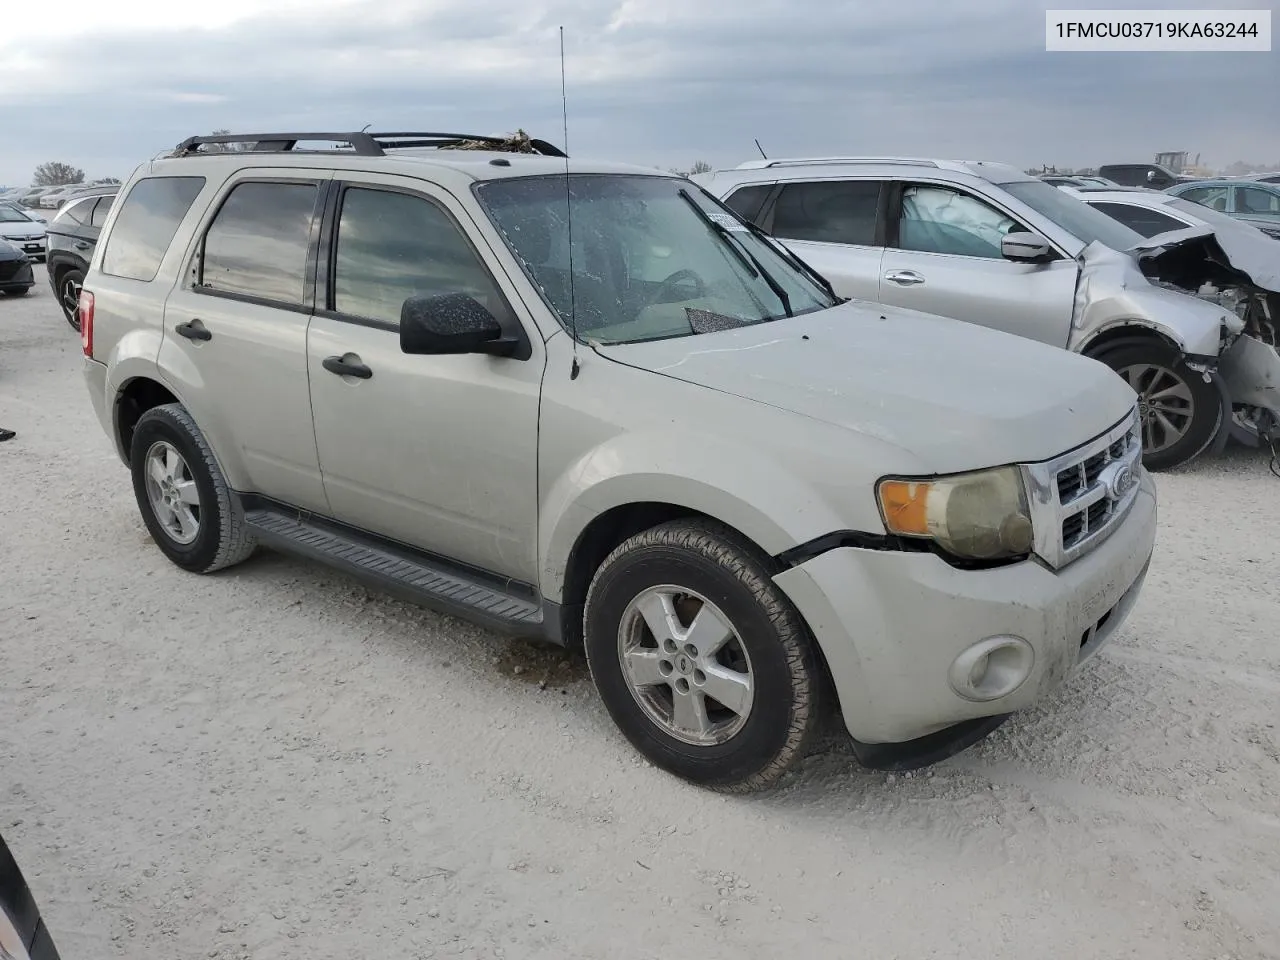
column 1172, row 31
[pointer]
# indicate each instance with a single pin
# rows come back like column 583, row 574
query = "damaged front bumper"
column 1250, row 370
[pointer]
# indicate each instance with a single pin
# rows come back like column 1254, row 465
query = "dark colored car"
column 23, row 935
column 1141, row 175
column 72, row 235
column 16, row 275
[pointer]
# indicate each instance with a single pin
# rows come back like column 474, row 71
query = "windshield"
column 1075, row 216
column 10, row 214
column 653, row 257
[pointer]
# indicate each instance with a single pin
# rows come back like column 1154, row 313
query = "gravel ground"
column 273, row 763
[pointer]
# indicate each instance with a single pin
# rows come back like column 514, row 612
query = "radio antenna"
column 761, row 149
column 568, row 215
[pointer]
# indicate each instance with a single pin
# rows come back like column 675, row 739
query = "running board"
column 418, row 578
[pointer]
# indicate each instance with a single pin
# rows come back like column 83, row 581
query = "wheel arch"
column 1123, row 331
column 133, row 398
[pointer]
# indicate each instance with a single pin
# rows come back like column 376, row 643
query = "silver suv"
column 585, row 402
column 990, row 245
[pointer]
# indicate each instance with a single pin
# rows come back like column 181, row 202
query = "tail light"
column 86, row 322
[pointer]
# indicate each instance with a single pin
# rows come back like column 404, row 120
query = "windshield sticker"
column 728, row 222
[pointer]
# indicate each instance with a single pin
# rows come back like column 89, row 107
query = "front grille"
column 1083, row 495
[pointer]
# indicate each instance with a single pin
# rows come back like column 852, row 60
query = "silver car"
column 580, row 401
column 990, row 245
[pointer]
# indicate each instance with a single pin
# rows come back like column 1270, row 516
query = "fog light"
column 992, row 668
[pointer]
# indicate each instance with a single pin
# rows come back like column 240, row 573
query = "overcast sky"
column 661, row 82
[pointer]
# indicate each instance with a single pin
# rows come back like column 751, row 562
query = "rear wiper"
column 744, row 255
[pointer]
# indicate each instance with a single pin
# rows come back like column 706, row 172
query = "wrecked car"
column 990, row 245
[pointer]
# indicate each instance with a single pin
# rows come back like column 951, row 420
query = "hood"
column 1222, row 255
column 955, row 395
column 21, row 228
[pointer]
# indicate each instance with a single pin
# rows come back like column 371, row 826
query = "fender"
column 719, row 478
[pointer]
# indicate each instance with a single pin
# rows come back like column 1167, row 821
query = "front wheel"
column 701, row 660
column 1180, row 412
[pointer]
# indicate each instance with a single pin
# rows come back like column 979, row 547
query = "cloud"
column 662, row 82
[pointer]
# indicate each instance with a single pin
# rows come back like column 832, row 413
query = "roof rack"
column 366, row 144
column 805, row 161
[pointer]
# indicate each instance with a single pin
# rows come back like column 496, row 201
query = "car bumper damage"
column 905, row 635
column 1240, row 273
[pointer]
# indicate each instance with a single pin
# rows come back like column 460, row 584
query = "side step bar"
column 507, row 607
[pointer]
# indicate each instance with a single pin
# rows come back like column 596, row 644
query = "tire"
column 18, row 291
column 710, row 570
column 220, row 536
column 69, row 284
column 1170, row 393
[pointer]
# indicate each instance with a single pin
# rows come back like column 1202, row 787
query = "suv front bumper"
column 891, row 624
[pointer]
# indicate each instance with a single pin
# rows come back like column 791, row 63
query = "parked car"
column 1141, row 175
column 1248, row 280
column 72, row 237
column 1060, row 181
column 1255, row 203
column 23, row 934
column 990, row 245
column 56, row 197
column 1263, row 177
column 652, row 432
column 16, row 275
column 22, row 230
column 31, row 197
column 1092, row 181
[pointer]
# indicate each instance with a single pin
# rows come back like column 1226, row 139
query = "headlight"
column 974, row 516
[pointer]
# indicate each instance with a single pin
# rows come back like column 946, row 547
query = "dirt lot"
column 272, row 763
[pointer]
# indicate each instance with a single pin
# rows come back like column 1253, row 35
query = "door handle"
column 347, row 368
column 904, row 278
column 193, row 330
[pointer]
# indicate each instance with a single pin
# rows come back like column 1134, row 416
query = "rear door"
column 439, row 452
column 836, row 226
column 236, row 330
column 943, row 257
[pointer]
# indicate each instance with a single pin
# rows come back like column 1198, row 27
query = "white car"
column 56, row 198
column 24, row 231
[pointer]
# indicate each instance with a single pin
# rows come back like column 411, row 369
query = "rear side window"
column 747, row 201
column 76, row 212
column 392, row 246
column 1144, row 221
column 146, row 225
column 257, row 243
column 100, row 211
column 831, row 211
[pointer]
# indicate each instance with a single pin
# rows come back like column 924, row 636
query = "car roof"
column 1122, row 195
column 790, row 168
column 467, row 166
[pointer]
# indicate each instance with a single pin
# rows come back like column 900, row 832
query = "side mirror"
column 1151, row 175
column 451, row 323
column 1025, row 247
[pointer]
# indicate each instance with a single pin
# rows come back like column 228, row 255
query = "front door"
column 833, row 225
column 437, row 452
column 944, row 257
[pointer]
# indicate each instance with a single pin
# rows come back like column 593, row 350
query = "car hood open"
column 955, row 395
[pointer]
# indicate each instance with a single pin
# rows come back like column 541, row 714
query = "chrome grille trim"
column 1079, row 498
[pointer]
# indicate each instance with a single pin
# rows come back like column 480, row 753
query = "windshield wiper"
column 791, row 256
column 744, row 255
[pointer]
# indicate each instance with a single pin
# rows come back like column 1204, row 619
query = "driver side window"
column 941, row 220
column 393, row 246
